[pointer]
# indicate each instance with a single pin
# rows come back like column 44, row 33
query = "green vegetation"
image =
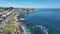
column 4, row 9
column 9, row 8
column 9, row 27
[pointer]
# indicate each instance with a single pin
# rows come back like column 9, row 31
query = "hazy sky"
column 30, row 3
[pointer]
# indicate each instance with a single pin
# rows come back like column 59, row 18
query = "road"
column 4, row 12
column 6, row 20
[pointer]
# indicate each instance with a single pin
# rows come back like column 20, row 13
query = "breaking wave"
column 26, row 31
column 44, row 29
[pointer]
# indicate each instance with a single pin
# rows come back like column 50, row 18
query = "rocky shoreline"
column 18, row 21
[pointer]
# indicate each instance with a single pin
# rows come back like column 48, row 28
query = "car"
column 0, row 14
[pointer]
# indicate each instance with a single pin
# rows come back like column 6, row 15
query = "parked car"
column 1, row 19
column 0, row 14
column 4, row 16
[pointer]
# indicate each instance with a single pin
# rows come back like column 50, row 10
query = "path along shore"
column 12, row 27
column 19, row 29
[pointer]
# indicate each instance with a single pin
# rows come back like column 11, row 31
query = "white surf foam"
column 26, row 31
column 43, row 28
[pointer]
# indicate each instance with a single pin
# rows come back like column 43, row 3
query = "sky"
column 30, row 3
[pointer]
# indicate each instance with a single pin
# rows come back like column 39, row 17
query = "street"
column 5, row 20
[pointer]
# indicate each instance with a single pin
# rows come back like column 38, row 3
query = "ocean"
column 44, row 21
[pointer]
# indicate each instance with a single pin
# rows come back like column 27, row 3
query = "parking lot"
column 4, row 17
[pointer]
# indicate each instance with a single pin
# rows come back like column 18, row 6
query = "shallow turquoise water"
column 48, row 19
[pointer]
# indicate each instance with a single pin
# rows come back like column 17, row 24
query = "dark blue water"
column 50, row 19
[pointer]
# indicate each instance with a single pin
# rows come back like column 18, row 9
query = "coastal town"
column 9, row 22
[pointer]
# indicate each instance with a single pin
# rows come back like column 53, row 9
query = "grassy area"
column 9, row 27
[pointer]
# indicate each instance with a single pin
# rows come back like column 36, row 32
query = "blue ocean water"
column 42, row 21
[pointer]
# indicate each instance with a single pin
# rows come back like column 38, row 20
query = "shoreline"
column 20, row 30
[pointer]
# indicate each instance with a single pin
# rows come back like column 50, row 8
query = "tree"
column 11, row 8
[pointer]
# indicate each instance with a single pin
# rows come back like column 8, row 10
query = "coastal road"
column 6, row 20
